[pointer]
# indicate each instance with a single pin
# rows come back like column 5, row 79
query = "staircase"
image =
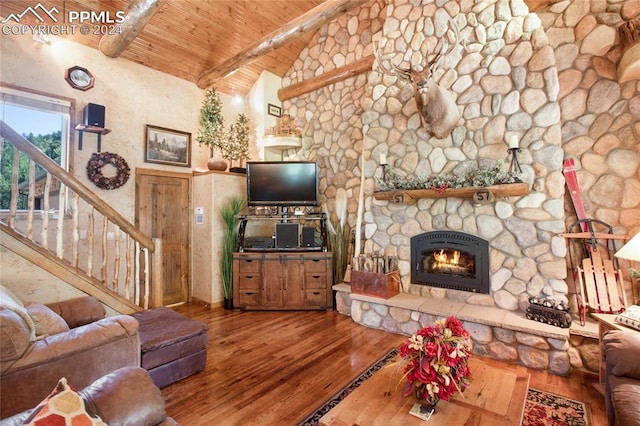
column 86, row 243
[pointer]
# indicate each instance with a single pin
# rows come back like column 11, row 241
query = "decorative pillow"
column 8, row 300
column 14, row 335
column 46, row 321
column 62, row 406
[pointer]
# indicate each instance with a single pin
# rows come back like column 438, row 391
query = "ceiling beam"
column 138, row 14
column 330, row 77
column 309, row 21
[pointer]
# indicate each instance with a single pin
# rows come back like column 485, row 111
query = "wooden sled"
column 600, row 286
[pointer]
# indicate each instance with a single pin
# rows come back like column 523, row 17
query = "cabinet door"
column 272, row 278
column 293, row 282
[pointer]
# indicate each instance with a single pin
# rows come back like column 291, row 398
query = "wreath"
column 98, row 161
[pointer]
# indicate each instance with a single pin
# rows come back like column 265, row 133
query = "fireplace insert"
column 450, row 259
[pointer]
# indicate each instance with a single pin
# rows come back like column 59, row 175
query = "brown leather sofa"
column 84, row 349
column 127, row 396
column 622, row 382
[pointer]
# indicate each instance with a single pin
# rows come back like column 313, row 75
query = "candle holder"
column 384, row 172
column 515, row 165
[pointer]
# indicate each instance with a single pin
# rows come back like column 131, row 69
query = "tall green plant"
column 230, row 218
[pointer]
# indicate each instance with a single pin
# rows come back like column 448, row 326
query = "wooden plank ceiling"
column 188, row 37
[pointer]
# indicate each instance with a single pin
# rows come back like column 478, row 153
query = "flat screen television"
column 282, row 183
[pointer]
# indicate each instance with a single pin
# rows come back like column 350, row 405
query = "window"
column 42, row 119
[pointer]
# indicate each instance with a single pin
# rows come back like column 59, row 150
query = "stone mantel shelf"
column 478, row 193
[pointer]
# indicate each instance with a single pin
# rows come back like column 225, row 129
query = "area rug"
column 541, row 408
column 548, row 409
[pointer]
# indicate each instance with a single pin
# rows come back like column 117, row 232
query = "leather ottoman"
column 173, row 346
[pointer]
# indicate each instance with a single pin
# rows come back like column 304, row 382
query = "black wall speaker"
column 94, row 115
column 308, row 236
column 287, row 235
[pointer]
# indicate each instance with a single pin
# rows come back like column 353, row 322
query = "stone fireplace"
column 511, row 244
column 506, row 83
column 505, row 250
column 450, row 259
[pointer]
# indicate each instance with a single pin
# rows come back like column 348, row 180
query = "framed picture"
column 166, row 146
column 274, row 110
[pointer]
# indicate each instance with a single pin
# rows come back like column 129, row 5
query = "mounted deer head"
column 438, row 110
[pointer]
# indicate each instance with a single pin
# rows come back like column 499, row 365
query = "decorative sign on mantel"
column 481, row 195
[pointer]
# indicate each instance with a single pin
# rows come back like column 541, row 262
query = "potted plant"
column 237, row 145
column 212, row 132
column 229, row 215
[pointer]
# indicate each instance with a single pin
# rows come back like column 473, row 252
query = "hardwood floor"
column 273, row 368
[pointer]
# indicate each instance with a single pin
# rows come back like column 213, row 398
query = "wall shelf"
column 282, row 142
column 81, row 128
column 480, row 194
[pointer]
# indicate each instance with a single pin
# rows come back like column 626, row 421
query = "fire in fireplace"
column 450, row 259
column 446, row 261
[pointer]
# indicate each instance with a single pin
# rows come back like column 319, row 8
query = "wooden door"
column 162, row 211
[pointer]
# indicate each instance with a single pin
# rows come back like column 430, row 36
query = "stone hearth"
column 496, row 333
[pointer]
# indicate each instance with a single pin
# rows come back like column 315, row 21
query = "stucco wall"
column 133, row 95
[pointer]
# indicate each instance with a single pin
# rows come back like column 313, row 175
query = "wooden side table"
column 606, row 322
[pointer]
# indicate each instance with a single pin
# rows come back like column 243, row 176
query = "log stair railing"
column 78, row 237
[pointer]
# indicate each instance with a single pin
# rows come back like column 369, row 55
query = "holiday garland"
column 98, row 161
column 475, row 177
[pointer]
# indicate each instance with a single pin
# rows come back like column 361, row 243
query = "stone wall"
column 548, row 78
column 505, row 83
column 506, row 64
column 599, row 117
column 331, row 117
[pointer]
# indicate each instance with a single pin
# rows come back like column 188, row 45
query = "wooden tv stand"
column 278, row 280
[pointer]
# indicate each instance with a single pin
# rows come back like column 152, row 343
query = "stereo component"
column 287, row 235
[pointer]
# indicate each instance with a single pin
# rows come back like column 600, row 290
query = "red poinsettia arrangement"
column 437, row 361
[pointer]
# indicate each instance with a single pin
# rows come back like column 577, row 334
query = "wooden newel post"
column 157, row 282
column 629, row 66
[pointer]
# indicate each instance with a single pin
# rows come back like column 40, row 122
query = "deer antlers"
column 438, row 110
